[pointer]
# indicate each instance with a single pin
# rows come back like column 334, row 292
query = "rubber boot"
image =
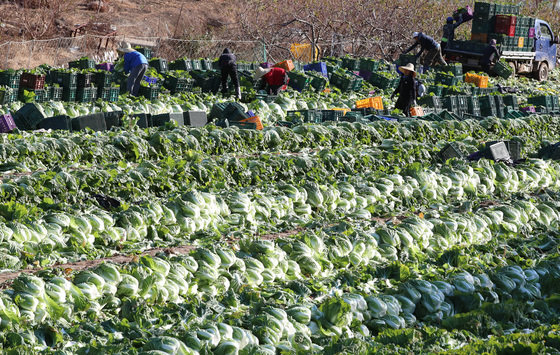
column 238, row 93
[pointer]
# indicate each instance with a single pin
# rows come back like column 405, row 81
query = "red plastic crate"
column 506, row 24
column 32, row 81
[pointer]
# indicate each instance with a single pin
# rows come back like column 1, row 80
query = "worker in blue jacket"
column 432, row 48
column 134, row 63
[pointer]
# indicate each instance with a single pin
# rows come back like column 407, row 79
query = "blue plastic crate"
column 320, row 67
column 150, row 80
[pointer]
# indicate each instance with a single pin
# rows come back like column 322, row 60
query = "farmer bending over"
column 432, row 48
column 274, row 78
column 136, row 64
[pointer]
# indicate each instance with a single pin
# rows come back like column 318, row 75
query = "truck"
column 527, row 44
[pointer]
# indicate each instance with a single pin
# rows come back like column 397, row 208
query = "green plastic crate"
column 30, row 115
column 331, row 115
column 7, row 95
column 350, row 63
column 55, row 93
column 431, row 101
column 149, row 92
column 334, row 60
column 218, row 111
column 108, row 93
column 503, row 70
column 159, row 64
column 382, row 81
column 446, row 79
column 484, row 9
column 511, row 100
column 343, row 82
column 102, row 78
column 545, row 101
column 85, row 94
column 211, row 84
column 196, row 64
column 368, row 64
column 235, row 112
column 455, row 69
column 310, row 116
column 487, row 102
column 481, row 26
column 450, row 103
column 181, row 64
column 69, row 94
column 473, row 105
column 10, row 79
column 298, row 80
column 85, row 63
column 357, row 83
column 437, row 90
column 147, row 52
column 405, row 59
column 176, row 84
column 207, row 64
column 318, row 82
column 64, row 79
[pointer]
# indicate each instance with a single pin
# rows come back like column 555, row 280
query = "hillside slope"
column 174, row 18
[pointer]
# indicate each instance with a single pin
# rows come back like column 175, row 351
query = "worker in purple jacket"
column 134, row 63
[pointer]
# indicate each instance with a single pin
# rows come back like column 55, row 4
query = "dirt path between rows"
column 6, row 278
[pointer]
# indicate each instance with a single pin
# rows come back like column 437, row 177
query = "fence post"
column 30, row 54
column 264, row 51
column 56, row 53
column 8, row 53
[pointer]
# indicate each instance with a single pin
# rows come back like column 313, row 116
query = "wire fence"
column 58, row 52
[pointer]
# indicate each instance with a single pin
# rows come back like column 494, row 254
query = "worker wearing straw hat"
column 275, row 78
column 406, row 89
column 134, row 63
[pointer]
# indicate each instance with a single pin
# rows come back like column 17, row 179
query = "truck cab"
column 545, row 49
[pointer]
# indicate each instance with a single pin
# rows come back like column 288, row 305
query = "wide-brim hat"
column 260, row 72
column 409, row 67
column 125, row 47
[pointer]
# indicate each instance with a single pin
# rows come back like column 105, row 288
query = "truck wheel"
column 542, row 73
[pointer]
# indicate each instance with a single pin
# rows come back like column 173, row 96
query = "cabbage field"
column 332, row 238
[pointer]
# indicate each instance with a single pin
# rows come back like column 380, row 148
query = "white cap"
column 415, row 34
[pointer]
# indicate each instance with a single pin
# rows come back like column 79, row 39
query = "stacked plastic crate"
column 502, row 23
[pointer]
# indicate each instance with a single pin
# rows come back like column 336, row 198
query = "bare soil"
column 130, row 18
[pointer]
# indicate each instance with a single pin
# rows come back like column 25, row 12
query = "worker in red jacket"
column 274, row 78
